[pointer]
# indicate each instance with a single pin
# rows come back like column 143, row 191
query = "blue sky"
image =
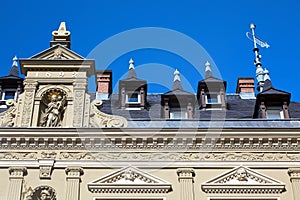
column 219, row 26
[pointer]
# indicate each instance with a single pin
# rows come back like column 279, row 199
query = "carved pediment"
column 243, row 180
column 128, row 180
column 57, row 52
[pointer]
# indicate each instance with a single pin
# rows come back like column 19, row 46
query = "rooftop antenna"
column 260, row 73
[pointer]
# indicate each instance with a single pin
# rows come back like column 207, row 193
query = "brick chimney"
column 104, row 84
column 245, row 88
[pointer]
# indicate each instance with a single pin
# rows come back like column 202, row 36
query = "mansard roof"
column 237, row 109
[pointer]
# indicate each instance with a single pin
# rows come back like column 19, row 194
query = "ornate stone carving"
column 42, row 193
column 18, row 155
column 48, row 155
column 129, row 180
column 7, row 118
column 178, row 156
column 45, row 168
column 100, row 119
column 243, row 180
column 55, row 101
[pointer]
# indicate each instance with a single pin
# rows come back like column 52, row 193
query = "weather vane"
column 261, row 75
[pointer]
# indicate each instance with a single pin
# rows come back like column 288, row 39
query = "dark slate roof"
column 237, row 108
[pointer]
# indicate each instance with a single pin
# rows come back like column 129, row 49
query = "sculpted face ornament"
column 241, row 174
column 45, row 195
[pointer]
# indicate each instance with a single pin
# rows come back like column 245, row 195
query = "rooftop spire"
column 61, row 36
column 14, row 70
column 131, row 73
column 259, row 70
column 131, row 64
column 177, row 82
column 208, row 72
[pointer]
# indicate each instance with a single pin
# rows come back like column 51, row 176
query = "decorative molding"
column 137, row 142
column 48, row 154
column 129, row 180
column 8, row 117
column 243, row 180
column 46, row 168
column 100, row 119
column 18, row 155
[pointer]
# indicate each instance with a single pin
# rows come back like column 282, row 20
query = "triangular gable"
column 243, row 180
column 128, row 180
column 57, row 52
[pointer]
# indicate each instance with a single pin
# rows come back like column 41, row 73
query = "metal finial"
column 207, row 66
column 176, row 75
column 259, row 71
column 131, row 64
column 15, row 61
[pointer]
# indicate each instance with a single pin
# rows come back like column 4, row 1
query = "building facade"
column 59, row 142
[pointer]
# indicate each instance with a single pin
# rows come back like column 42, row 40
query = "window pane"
column 9, row 95
column 133, row 98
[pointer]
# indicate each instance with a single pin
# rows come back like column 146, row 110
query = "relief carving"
column 7, row 118
column 42, row 193
column 178, row 156
column 100, row 119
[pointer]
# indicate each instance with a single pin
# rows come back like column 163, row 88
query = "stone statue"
column 54, row 112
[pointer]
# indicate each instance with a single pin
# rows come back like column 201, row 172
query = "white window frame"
column 129, row 102
column 8, row 90
column 218, row 98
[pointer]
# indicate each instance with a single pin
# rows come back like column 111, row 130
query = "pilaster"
column 79, row 102
column 16, row 182
column 186, row 180
column 73, row 183
column 295, row 180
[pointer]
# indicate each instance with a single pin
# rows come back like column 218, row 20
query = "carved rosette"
column 100, row 119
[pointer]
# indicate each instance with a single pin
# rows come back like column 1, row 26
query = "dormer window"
column 133, row 98
column 274, row 112
column 9, row 94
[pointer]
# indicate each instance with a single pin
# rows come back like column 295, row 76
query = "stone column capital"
column 17, row 172
column 74, row 172
column 294, row 173
column 185, row 173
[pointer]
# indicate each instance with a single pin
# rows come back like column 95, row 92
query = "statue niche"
column 53, row 106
